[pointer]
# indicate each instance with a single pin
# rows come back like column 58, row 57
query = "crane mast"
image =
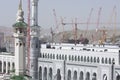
column 88, row 20
column 28, row 38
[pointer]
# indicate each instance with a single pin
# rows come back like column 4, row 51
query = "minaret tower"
column 34, row 42
column 20, row 36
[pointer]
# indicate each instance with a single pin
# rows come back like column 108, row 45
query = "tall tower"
column 20, row 36
column 34, row 42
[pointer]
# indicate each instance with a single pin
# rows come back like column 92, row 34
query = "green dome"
column 20, row 25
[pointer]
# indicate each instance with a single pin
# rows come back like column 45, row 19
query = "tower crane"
column 114, row 16
column 98, row 22
column 63, row 35
column 103, row 37
column 56, row 22
column 75, row 28
column 98, row 19
column 88, row 20
column 52, row 34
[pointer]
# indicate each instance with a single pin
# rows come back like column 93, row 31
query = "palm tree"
column 20, row 77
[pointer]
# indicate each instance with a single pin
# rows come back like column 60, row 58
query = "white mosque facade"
column 60, row 61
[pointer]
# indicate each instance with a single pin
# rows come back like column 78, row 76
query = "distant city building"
column 1, row 39
column 9, row 43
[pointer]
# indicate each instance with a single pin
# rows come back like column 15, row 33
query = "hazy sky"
column 70, row 9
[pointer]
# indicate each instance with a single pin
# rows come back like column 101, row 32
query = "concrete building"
column 1, row 39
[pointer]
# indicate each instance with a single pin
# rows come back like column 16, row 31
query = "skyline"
column 71, row 9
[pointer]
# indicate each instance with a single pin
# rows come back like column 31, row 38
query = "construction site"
column 81, row 32
column 74, row 31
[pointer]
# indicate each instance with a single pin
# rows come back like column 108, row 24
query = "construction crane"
column 75, row 28
column 52, row 34
column 56, row 22
column 103, row 36
column 97, row 24
column 98, row 19
column 63, row 35
column 114, row 16
column 88, row 21
column 28, row 37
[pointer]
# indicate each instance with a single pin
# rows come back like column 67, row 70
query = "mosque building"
column 58, row 61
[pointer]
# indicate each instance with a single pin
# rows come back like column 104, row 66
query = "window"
column 84, row 58
column 94, row 59
column 65, row 57
column 102, row 60
column 98, row 60
column 69, row 57
column 53, row 56
column 81, row 58
column 72, row 58
column 106, row 60
column 78, row 58
column 75, row 58
column 88, row 59
column 62, row 57
column 110, row 61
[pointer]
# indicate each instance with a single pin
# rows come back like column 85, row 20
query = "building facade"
column 59, row 61
column 79, row 62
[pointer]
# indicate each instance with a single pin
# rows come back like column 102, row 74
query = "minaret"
column 34, row 42
column 20, row 36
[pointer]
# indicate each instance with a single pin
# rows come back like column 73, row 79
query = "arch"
column 0, row 66
column 75, row 75
column 104, row 77
column 98, row 60
column 75, row 58
column 84, row 58
column 88, row 59
column 65, row 57
column 58, row 74
column 81, row 58
column 105, row 60
column 102, row 60
column 87, row 76
column 81, row 76
column 69, row 57
column 40, row 73
column 94, row 59
column 78, row 58
column 72, row 58
column 45, row 56
column 91, row 59
column 62, row 57
column 69, row 75
column 118, row 77
column 57, row 56
column 4, row 69
column 45, row 74
column 13, row 66
column 53, row 56
column 113, row 60
column 50, row 56
column 8, row 67
column 110, row 61
column 94, row 76
column 50, row 74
